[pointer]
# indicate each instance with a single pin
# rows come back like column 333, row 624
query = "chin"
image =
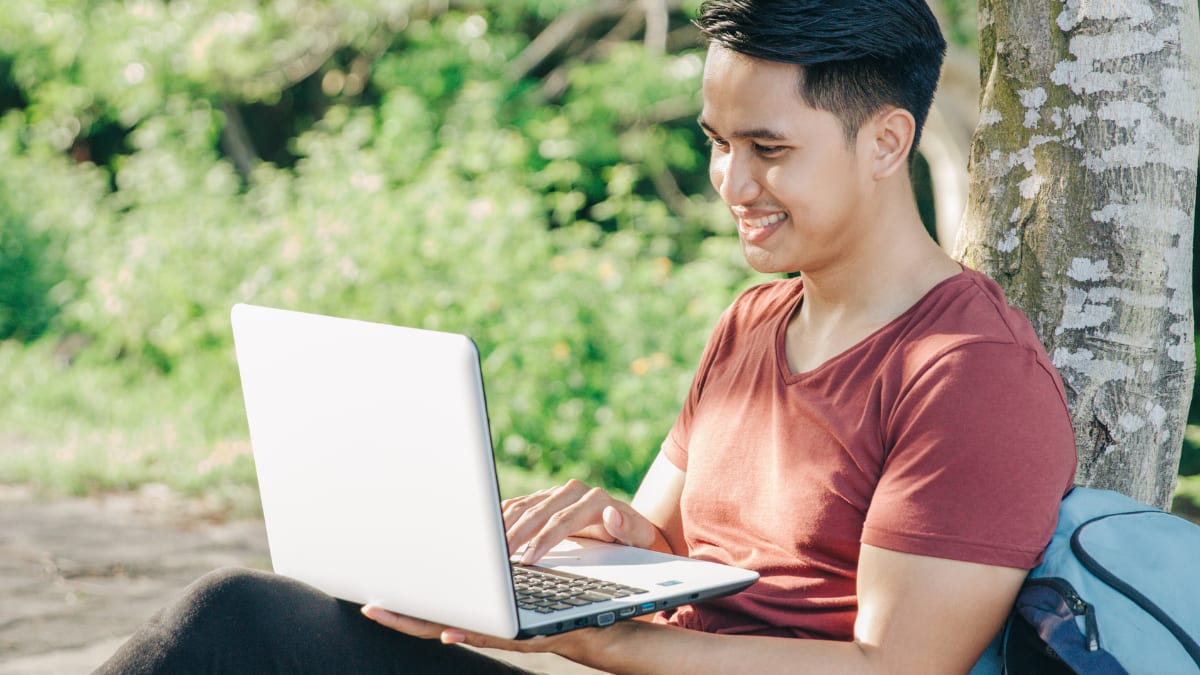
column 764, row 263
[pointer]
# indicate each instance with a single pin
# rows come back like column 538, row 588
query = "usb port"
column 627, row 611
column 647, row 606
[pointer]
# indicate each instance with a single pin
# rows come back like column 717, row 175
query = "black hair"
column 856, row 56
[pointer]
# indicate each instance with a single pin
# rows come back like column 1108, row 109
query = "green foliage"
column 962, row 17
column 160, row 162
column 1189, row 465
column 1187, row 498
column 45, row 200
column 27, row 275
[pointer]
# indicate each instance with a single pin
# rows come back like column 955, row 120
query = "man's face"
column 785, row 170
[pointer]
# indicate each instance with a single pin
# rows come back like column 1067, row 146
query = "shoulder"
column 752, row 319
column 763, row 301
column 966, row 328
column 967, row 313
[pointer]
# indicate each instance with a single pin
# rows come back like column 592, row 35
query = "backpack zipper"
column 1077, row 605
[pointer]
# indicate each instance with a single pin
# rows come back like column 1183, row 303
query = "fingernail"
column 452, row 637
column 613, row 516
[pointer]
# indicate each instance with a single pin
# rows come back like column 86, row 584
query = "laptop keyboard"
column 544, row 590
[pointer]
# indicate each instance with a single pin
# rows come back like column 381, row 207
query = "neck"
column 888, row 270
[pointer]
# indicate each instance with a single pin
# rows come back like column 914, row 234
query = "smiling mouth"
column 765, row 221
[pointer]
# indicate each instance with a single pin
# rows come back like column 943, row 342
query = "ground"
column 79, row 575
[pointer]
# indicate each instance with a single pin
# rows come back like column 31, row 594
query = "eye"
column 769, row 150
column 719, row 143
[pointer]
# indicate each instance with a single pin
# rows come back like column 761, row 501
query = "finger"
column 585, row 512
column 614, row 524
column 534, row 519
column 457, row 636
column 627, row 526
column 513, row 513
column 404, row 624
column 514, row 508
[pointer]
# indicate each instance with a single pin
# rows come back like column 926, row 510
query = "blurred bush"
column 28, row 273
column 160, row 162
column 528, row 172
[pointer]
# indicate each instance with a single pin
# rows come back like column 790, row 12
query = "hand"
column 573, row 644
column 545, row 518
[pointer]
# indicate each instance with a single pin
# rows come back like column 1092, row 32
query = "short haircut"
column 856, row 56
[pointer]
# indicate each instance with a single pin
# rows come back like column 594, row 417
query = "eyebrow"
column 760, row 133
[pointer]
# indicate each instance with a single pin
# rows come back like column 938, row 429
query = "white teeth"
column 764, row 222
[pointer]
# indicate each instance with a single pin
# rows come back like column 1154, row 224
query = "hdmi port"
column 627, row 611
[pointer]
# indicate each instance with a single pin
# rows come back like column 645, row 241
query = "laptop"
column 378, row 485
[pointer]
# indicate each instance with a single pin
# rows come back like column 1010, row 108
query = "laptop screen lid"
column 375, row 489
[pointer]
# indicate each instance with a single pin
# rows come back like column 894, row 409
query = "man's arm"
column 917, row 614
column 658, row 498
column 543, row 519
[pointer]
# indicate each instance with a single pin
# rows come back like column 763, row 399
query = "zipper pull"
column 1092, row 630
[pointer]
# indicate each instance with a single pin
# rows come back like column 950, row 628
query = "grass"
column 223, row 477
column 92, row 428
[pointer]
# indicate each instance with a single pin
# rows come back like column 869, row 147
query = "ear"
column 892, row 131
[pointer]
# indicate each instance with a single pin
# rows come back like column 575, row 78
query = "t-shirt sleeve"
column 980, row 451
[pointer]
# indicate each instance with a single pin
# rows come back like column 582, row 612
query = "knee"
column 228, row 589
column 216, row 613
column 226, row 600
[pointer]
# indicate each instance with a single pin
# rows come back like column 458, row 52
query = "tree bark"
column 1081, row 205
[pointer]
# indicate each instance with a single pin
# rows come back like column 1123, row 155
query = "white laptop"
column 376, row 473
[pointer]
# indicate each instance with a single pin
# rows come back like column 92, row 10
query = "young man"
column 883, row 439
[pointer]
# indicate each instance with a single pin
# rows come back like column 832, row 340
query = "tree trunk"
column 1083, row 192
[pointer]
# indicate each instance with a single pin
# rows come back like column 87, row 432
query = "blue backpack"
column 1117, row 592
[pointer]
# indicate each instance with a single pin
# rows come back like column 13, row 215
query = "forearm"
column 633, row 647
column 916, row 614
column 658, row 501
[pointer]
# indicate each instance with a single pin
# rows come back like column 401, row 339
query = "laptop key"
column 547, row 590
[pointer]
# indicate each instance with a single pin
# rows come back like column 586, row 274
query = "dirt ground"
column 77, row 576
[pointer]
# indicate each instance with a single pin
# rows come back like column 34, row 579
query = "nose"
column 732, row 176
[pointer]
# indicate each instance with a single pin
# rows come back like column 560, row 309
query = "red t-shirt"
column 945, row 433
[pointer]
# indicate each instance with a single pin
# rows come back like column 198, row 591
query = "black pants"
column 245, row 621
